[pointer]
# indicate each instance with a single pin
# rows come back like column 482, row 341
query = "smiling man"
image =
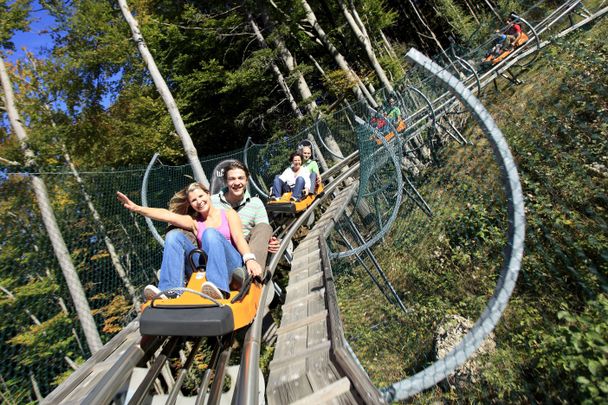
column 251, row 210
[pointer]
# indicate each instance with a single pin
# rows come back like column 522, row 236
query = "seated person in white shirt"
column 295, row 179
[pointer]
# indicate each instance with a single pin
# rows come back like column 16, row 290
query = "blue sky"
column 36, row 39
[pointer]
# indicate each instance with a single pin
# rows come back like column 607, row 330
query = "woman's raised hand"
column 126, row 202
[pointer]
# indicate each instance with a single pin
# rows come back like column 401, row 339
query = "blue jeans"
column 279, row 187
column 313, row 182
column 222, row 259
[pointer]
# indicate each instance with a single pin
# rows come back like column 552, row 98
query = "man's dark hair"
column 235, row 165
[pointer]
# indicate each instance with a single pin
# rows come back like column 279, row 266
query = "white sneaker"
column 210, row 290
column 237, row 279
column 151, row 291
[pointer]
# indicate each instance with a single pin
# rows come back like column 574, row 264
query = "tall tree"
column 163, row 89
column 13, row 17
column 358, row 27
column 420, row 17
column 61, row 252
column 113, row 115
column 359, row 88
column 275, row 69
column 289, row 62
column 37, row 90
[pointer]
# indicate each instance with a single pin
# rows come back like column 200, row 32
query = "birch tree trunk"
column 494, row 11
column 306, row 94
column 304, row 91
column 421, row 19
column 37, row 322
column 389, row 47
column 275, row 69
column 96, row 217
column 318, row 66
column 290, row 63
column 120, row 270
column 410, row 20
column 353, row 19
column 50, row 222
column 472, row 12
column 165, row 93
column 360, row 90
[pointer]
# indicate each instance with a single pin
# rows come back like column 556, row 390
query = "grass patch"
column 549, row 343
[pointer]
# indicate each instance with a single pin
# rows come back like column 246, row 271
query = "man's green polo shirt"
column 251, row 210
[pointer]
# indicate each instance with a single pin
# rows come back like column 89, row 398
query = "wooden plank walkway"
column 310, row 364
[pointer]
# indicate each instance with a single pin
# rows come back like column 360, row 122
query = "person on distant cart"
column 218, row 233
column 501, row 44
column 394, row 112
column 379, row 121
column 513, row 30
column 311, row 165
column 295, row 179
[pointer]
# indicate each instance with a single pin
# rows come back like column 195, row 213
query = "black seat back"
column 306, row 142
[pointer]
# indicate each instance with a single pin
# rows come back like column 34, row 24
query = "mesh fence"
column 456, row 218
column 43, row 340
column 419, row 254
column 421, row 307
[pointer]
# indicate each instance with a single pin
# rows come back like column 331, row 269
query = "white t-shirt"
column 289, row 177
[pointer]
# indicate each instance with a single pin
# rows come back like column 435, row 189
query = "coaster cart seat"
column 217, row 183
column 195, row 314
column 284, row 205
column 380, row 123
column 493, row 60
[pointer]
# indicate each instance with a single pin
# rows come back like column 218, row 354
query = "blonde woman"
column 218, row 233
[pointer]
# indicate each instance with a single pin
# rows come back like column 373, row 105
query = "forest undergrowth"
column 551, row 344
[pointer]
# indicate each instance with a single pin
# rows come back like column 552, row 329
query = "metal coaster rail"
column 104, row 374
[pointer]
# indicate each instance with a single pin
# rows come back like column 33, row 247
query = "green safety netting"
column 440, row 272
column 430, row 197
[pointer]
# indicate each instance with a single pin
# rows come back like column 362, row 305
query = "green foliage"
column 13, row 17
column 577, row 352
column 556, row 142
column 475, row 224
column 134, row 128
column 225, row 89
column 377, row 14
column 13, row 394
column 338, row 82
column 461, row 22
column 91, row 46
column 29, row 295
column 551, row 342
column 40, row 341
column 508, row 6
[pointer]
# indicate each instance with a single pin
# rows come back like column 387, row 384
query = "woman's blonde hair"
column 180, row 204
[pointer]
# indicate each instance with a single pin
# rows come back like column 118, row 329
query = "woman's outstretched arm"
column 157, row 214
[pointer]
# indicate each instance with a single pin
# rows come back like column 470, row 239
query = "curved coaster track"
column 313, row 362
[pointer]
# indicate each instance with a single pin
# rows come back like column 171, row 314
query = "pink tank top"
column 224, row 228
